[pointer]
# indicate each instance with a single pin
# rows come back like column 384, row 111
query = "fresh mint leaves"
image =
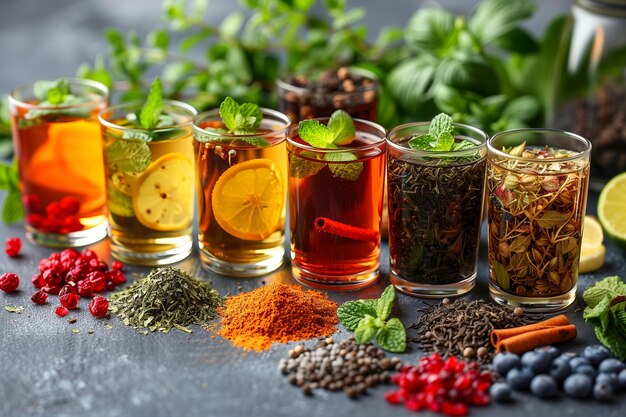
column 606, row 303
column 340, row 131
column 12, row 210
column 440, row 137
column 54, row 93
column 150, row 114
column 127, row 156
column 368, row 318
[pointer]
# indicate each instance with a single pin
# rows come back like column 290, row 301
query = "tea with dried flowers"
column 536, row 206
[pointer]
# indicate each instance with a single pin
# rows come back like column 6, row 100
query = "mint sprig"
column 368, row 318
column 606, row 304
column 150, row 114
column 53, row 94
column 12, row 210
column 339, row 131
column 440, row 137
column 244, row 119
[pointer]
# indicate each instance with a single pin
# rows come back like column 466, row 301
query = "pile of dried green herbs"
column 166, row 298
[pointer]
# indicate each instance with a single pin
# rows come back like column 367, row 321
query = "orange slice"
column 248, row 199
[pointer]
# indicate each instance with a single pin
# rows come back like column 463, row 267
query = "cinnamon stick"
column 498, row 335
column 527, row 341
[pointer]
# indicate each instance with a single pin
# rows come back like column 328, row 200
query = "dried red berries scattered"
column 446, row 386
column 40, row 297
column 12, row 246
column 99, row 306
column 61, row 311
column 69, row 301
column 9, row 282
column 57, row 217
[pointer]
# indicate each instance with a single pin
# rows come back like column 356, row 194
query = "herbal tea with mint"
column 536, row 206
column 435, row 205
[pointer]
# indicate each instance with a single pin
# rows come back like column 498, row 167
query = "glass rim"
column 265, row 111
column 307, row 147
column 422, row 152
column 282, row 83
column 101, row 88
column 577, row 154
column 138, row 104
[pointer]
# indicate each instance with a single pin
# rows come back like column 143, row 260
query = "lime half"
column 612, row 209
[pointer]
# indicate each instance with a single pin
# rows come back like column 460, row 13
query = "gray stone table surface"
column 46, row 370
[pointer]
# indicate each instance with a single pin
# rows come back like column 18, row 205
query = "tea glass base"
column 219, row 266
column 333, row 282
column 153, row 258
column 433, row 291
column 67, row 240
column 532, row 304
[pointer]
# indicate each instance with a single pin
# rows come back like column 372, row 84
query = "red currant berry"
column 69, row 301
column 61, row 311
column 32, row 203
column 51, row 277
column 69, row 205
column 12, row 246
column 85, row 288
column 38, row 281
column 9, row 282
column 40, row 297
column 67, row 289
column 117, row 266
column 98, row 280
column 99, row 306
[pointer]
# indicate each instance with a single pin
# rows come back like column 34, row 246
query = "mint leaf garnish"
column 12, row 210
column 136, row 134
column 151, row 111
column 52, row 93
column 366, row 318
column 612, row 286
column 440, row 137
column 348, row 172
column 441, row 123
column 127, row 155
column 340, row 131
column 242, row 119
column 302, row 168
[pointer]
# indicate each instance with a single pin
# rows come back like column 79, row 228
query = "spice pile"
column 165, row 299
column 463, row 327
column 347, row 366
column 276, row 313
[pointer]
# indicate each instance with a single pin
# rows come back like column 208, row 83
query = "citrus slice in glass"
column 163, row 194
column 592, row 232
column 612, row 209
column 248, row 199
column 124, row 181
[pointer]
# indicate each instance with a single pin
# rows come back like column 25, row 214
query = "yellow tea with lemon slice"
column 241, row 186
column 58, row 151
column 149, row 183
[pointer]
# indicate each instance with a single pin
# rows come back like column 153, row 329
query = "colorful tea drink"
column 241, row 186
column 435, row 205
column 59, row 153
column 353, row 90
column 149, row 183
column 537, row 183
column 336, row 177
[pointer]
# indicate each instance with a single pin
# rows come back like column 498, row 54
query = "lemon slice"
column 612, row 209
column 592, row 233
column 591, row 258
column 163, row 194
column 248, row 199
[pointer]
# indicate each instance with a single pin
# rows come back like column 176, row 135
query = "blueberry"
column 519, row 379
column 596, row 354
column 621, row 379
column 612, row 366
column 528, row 357
column 544, row 386
column 504, row 362
column 610, row 379
column 588, row 370
column 540, row 362
column 578, row 361
column 578, row 386
column 500, row 392
column 602, row 391
column 550, row 350
column 560, row 369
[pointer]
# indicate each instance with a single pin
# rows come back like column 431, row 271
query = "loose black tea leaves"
column 167, row 298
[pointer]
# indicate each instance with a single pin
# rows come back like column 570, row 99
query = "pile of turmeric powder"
column 276, row 313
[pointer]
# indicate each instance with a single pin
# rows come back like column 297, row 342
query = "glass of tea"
column 241, row 188
column 435, row 201
column 537, row 183
column 149, row 183
column 59, row 155
column 335, row 208
column 354, row 90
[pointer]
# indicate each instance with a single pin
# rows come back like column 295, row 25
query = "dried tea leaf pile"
column 167, row 298
column 463, row 328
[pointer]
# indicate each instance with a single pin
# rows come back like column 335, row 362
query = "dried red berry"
column 51, row 289
column 9, row 282
column 85, row 288
column 88, row 254
column 67, row 289
column 38, row 281
column 52, row 277
column 61, row 311
column 117, row 266
column 69, row 301
column 99, row 306
column 12, row 246
column 98, row 280
column 40, row 297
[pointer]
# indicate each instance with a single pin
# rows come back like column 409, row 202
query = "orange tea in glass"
column 335, row 208
column 241, row 188
column 59, row 153
column 149, row 183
